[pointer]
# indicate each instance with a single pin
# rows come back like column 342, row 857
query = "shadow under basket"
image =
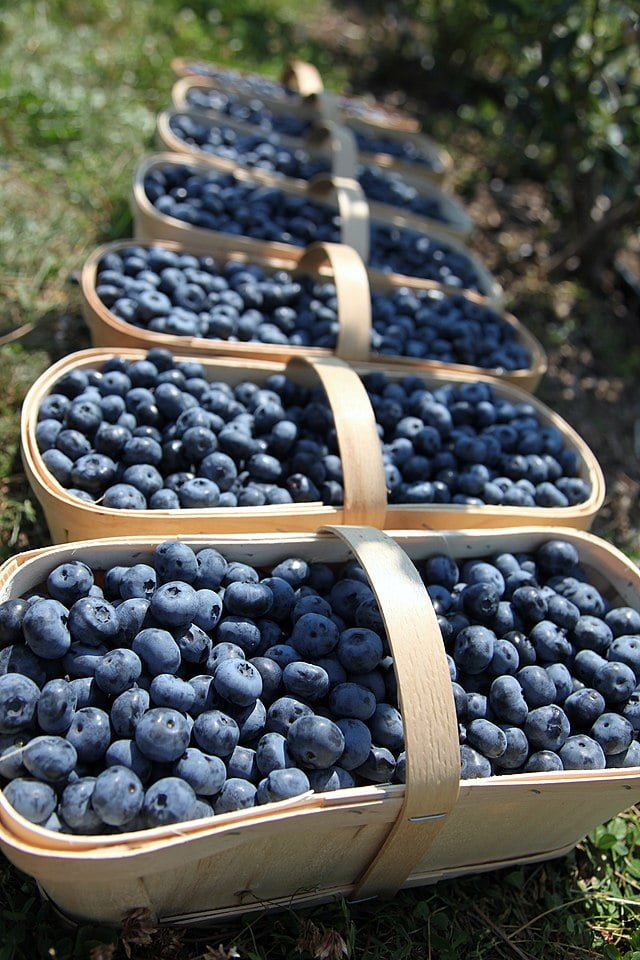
column 365, row 493
column 354, row 287
column 362, row 842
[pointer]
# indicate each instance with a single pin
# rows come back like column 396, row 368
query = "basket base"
column 315, row 898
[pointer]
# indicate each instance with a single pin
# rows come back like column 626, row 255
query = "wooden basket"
column 341, row 193
column 303, row 78
column 333, row 142
column 70, row 518
column 353, row 287
column 359, row 843
column 326, row 107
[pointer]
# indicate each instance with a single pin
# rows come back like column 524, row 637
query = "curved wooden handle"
column 365, row 492
column 352, row 292
column 303, row 77
column 344, row 149
column 426, row 704
column 353, row 208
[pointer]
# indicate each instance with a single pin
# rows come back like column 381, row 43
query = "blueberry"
column 238, row 681
column 76, row 808
column 206, row 774
column 272, row 753
column 12, row 614
column 487, row 738
column 169, row 691
column 628, row 758
column 49, row 758
column 125, row 753
column 35, row 801
column 314, row 635
column 127, row 709
column 11, row 765
column 18, row 702
column 474, row 648
column 583, row 707
column 45, row 629
column 236, row 794
column 157, row 650
column 139, row 581
column 626, row 649
column 543, row 761
column 582, row 753
column 208, row 609
column 130, row 617
column 547, row 727
column 169, row 800
column 117, row 796
column 176, row 561
column 379, row 767
column 473, row 765
column 537, row 686
column 623, row 621
column 615, row 681
column 174, row 603
column 507, row 700
column 352, row 701
column 242, row 765
column 282, row 785
column 118, row 671
column 93, row 621
column 216, row 733
column 315, row 742
column 283, row 713
column 517, row 749
column 70, row 581
column 613, row 732
column 90, row 734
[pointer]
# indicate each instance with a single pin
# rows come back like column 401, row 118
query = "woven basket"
column 359, row 843
column 337, row 145
column 341, row 194
column 328, row 108
column 304, row 79
column 353, row 287
column 364, row 484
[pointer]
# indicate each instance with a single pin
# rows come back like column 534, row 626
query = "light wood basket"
column 359, row 843
column 353, row 289
column 365, row 495
column 337, row 144
column 440, row 160
column 304, row 79
column 340, row 193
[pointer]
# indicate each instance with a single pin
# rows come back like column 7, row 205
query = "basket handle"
column 365, row 491
column 426, row 704
column 352, row 292
column 303, row 77
column 353, row 208
column 344, row 149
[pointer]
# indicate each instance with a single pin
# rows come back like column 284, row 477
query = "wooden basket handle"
column 352, row 292
column 344, row 149
column 303, row 77
column 365, row 492
column 353, row 208
column 425, row 701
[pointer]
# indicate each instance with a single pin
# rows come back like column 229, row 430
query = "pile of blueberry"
column 217, row 201
column 247, row 84
column 545, row 671
column 264, row 151
column 156, row 434
column 192, row 686
column 185, row 295
column 255, row 112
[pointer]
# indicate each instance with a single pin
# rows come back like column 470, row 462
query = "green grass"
column 80, row 85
